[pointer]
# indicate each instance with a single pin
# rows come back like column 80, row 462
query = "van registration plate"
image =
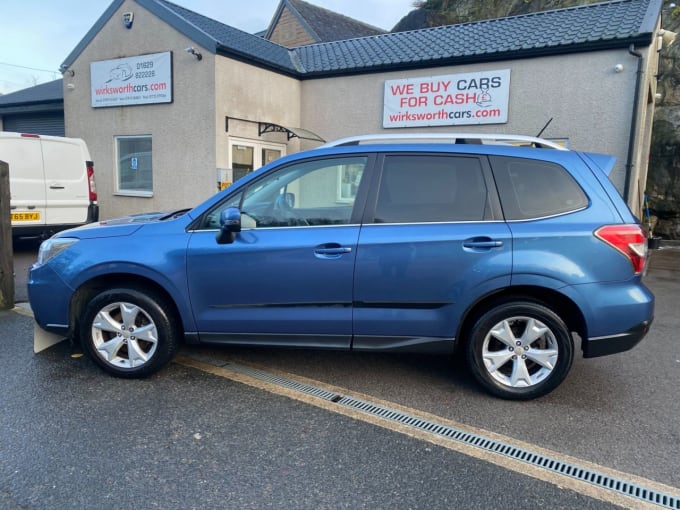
column 25, row 216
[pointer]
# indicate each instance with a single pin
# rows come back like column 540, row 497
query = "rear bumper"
column 605, row 345
column 92, row 213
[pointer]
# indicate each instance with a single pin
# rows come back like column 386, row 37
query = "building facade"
column 174, row 105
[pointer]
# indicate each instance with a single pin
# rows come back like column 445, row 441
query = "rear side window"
column 535, row 189
column 430, row 188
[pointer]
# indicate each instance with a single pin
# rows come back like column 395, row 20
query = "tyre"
column 520, row 350
column 129, row 332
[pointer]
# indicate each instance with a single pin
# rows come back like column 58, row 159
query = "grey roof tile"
column 609, row 24
column 227, row 39
column 615, row 23
column 49, row 92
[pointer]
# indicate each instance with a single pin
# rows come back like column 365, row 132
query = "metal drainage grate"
column 282, row 381
column 520, row 454
column 554, row 465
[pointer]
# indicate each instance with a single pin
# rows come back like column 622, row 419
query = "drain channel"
column 554, row 465
column 520, row 454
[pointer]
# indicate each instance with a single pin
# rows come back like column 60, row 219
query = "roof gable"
column 289, row 28
column 322, row 25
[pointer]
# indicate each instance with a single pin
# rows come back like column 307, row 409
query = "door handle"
column 482, row 243
column 56, row 186
column 331, row 251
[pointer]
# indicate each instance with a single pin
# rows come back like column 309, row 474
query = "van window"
column 134, row 169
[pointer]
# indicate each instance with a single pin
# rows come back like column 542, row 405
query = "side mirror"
column 230, row 225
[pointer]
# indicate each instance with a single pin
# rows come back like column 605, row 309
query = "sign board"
column 447, row 100
column 144, row 79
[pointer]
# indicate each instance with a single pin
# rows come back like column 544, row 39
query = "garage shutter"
column 45, row 123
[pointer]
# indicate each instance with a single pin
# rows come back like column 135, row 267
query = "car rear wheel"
column 128, row 332
column 520, row 350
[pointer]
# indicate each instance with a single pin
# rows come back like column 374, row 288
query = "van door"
column 66, row 185
column 26, row 177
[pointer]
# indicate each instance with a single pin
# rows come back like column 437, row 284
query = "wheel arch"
column 564, row 307
column 84, row 294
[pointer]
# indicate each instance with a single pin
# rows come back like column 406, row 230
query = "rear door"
column 27, row 179
column 66, row 181
column 431, row 244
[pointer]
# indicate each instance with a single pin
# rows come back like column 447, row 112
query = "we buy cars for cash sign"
column 447, row 100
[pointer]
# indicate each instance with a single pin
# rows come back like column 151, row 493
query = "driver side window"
column 310, row 193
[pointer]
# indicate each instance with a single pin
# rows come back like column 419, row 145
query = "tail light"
column 629, row 240
column 90, row 181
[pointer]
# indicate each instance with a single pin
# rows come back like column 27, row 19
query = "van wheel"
column 520, row 350
column 129, row 333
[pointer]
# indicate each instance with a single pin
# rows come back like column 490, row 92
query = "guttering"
column 633, row 124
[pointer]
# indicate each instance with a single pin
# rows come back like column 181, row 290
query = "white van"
column 52, row 184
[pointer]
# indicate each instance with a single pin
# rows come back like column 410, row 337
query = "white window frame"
column 257, row 150
column 129, row 192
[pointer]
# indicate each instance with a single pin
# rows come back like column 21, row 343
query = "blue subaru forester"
column 505, row 252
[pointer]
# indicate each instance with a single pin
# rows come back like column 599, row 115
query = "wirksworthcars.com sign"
column 145, row 79
column 449, row 100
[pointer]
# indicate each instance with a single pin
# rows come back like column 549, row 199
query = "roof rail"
column 461, row 138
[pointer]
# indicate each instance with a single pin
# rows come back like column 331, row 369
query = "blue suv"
column 513, row 255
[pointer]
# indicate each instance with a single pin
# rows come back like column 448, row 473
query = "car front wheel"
column 520, row 350
column 128, row 332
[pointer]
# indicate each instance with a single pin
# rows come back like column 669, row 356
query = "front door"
column 287, row 278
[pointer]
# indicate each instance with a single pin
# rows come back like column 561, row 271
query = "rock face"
column 663, row 180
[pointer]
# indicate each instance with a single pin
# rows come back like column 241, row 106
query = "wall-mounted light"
column 193, row 51
column 65, row 70
column 70, row 86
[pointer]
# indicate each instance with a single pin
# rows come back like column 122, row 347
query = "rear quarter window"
column 530, row 188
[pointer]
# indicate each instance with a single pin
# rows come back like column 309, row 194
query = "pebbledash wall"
column 220, row 100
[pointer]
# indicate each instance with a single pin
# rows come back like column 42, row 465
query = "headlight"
column 53, row 247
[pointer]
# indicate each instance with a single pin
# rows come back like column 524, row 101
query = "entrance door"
column 248, row 155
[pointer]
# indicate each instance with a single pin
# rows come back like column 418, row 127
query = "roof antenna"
column 544, row 127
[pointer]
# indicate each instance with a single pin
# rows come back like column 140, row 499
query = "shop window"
column 134, row 165
column 348, row 182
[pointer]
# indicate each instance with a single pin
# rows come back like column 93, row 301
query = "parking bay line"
column 583, row 477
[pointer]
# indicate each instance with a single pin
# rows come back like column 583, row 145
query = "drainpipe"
column 633, row 124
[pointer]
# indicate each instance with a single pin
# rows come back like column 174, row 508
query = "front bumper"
column 49, row 297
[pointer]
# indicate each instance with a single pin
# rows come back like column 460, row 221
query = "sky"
column 36, row 36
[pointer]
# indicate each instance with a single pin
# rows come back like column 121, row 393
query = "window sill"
column 142, row 194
